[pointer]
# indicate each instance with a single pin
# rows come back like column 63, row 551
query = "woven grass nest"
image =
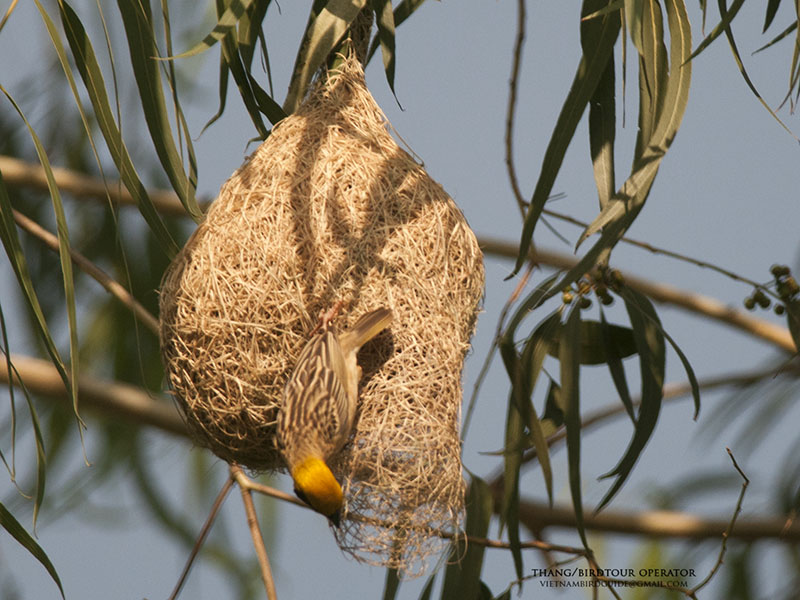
column 330, row 209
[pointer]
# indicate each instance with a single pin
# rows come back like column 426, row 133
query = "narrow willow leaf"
column 553, row 415
column 326, row 31
column 602, row 129
column 428, row 589
column 16, row 257
column 590, row 71
column 652, row 363
column 404, row 10
column 570, row 405
column 392, row 584
column 615, row 367
column 613, row 6
column 592, row 345
column 17, row 531
column 630, row 199
column 509, row 510
column 772, row 9
column 250, row 30
column 138, row 22
column 531, row 365
column 723, row 11
column 653, row 76
column 384, row 17
column 226, row 22
column 64, row 253
column 531, row 301
column 462, row 578
column 720, row 28
column 783, row 34
column 89, row 69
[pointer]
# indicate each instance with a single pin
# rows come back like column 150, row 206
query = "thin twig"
column 255, row 531
column 729, row 530
column 109, row 284
column 202, row 537
column 667, row 294
column 513, row 85
column 123, row 401
column 662, row 251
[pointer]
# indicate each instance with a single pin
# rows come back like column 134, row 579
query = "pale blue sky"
column 727, row 192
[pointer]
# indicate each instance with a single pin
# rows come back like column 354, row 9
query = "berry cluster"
column 601, row 280
column 786, row 290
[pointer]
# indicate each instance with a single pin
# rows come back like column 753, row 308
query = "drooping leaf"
column 652, row 362
column 720, row 28
column 553, row 415
column 392, row 584
column 600, row 37
column 428, row 589
column 324, row 33
column 614, row 362
column 723, row 11
column 569, row 360
column 384, row 18
column 89, row 69
column 226, row 23
column 509, row 509
column 139, row 29
column 64, row 253
column 772, row 10
column 17, row 531
column 783, row 34
column 602, row 132
column 594, row 337
column 462, row 578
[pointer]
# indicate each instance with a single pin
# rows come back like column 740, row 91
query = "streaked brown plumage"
column 319, row 407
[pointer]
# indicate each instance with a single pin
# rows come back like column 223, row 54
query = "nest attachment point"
column 330, row 208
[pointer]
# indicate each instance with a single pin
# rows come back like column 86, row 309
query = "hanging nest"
column 330, row 209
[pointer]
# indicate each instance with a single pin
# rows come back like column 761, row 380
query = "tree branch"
column 667, row 294
column 84, row 264
column 22, row 174
column 110, row 398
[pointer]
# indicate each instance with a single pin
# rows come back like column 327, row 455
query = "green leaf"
column 720, row 28
column 392, row 584
column 17, row 531
column 226, row 23
column 462, row 578
column 138, row 22
column 404, row 10
column 614, row 362
column 723, row 11
column 569, row 360
column 509, row 510
column 89, row 69
column 531, row 365
column 652, row 361
column 428, row 589
column 384, row 17
column 65, row 256
column 594, row 338
column 553, row 415
column 322, row 36
column 785, row 33
column 602, row 131
column 16, row 257
column 772, row 9
column 600, row 36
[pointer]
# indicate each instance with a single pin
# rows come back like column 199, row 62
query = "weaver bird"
column 319, row 407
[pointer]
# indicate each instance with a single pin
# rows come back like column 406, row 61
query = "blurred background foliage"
column 127, row 109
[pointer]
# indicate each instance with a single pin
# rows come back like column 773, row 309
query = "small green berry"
column 749, row 303
column 779, row 270
column 585, row 302
column 779, row 309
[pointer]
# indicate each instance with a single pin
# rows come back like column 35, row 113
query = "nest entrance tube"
column 330, row 209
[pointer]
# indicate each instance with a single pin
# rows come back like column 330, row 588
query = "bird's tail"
column 366, row 328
